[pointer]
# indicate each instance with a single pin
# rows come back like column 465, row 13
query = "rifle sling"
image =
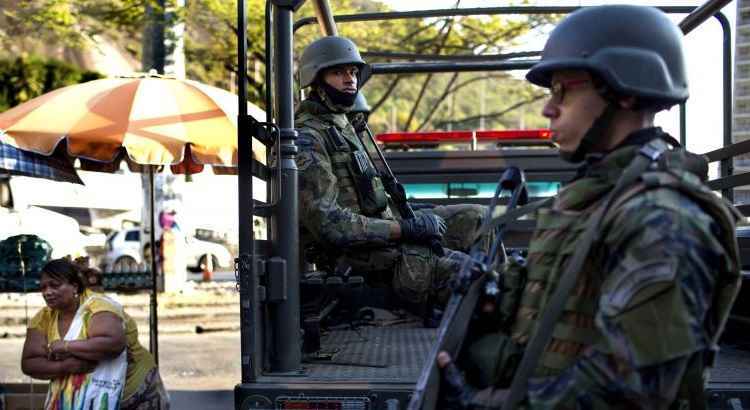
column 512, row 215
column 404, row 209
column 518, row 388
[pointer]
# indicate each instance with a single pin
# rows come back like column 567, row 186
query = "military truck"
column 303, row 342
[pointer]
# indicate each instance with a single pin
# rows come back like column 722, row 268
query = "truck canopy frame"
column 268, row 270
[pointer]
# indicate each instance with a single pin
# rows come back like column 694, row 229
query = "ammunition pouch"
column 370, row 189
column 371, row 194
column 492, row 360
column 378, row 263
column 513, row 283
column 329, row 299
column 372, row 260
column 323, row 257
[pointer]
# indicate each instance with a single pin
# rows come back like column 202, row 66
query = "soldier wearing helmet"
column 345, row 216
column 659, row 271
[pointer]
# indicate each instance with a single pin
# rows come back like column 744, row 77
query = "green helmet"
column 635, row 50
column 328, row 52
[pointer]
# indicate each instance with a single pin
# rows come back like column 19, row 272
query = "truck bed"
column 732, row 367
column 399, row 353
column 392, row 353
column 372, row 367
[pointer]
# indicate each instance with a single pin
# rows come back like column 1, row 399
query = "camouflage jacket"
column 329, row 213
column 652, row 298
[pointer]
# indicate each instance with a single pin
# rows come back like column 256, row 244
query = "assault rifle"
column 476, row 278
column 394, row 188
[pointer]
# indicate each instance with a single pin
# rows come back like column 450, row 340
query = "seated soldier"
column 345, row 216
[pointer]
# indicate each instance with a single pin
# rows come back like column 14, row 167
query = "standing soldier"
column 660, row 269
column 345, row 216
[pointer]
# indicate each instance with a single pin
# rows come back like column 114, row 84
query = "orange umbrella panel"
column 146, row 120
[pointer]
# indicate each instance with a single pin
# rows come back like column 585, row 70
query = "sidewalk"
column 188, row 360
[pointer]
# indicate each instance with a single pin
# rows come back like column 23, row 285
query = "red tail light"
column 436, row 137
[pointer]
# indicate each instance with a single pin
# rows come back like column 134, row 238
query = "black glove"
column 423, row 228
column 416, row 206
column 456, row 392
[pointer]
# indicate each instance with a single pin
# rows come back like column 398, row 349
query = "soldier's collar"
column 610, row 164
column 316, row 108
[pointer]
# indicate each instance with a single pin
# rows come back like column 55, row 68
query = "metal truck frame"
column 268, row 270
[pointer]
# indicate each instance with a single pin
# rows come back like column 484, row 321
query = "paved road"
column 200, row 370
column 204, row 400
column 207, row 361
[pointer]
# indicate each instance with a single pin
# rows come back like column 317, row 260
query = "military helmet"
column 361, row 105
column 635, row 50
column 328, row 52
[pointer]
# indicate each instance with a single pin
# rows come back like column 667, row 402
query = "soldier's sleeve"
column 662, row 256
column 319, row 210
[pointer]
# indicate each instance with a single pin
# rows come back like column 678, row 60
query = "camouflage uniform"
column 336, row 223
column 644, row 317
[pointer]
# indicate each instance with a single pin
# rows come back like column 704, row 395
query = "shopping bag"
column 98, row 390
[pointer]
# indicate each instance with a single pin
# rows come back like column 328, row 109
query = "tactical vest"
column 360, row 188
column 557, row 237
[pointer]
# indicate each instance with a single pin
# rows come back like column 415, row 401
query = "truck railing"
column 268, row 270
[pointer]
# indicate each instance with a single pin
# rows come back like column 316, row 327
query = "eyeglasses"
column 558, row 88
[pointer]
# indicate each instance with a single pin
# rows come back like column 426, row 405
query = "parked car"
column 125, row 252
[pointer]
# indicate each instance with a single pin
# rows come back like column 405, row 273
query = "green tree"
column 211, row 44
column 434, row 101
column 27, row 23
column 24, row 78
column 413, row 101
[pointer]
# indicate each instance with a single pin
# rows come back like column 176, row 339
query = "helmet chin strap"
column 599, row 128
column 336, row 101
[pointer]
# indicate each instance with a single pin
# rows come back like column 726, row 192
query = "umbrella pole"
column 153, row 317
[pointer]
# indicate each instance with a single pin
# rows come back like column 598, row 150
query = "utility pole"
column 154, row 50
column 163, row 53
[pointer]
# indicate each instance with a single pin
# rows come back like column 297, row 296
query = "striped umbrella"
column 145, row 120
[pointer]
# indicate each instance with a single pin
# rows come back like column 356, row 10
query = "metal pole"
column 727, row 165
column 153, row 322
column 285, row 314
column 325, row 18
column 701, row 14
column 269, row 60
column 390, row 55
column 250, row 331
column 451, row 67
column 683, row 125
column 473, row 11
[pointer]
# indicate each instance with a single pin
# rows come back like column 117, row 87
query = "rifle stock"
column 450, row 337
column 458, row 312
column 398, row 195
column 396, row 190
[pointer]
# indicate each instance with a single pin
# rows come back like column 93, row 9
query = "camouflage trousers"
column 417, row 272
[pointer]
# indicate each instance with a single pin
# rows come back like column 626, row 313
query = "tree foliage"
column 403, row 102
column 24, row 78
